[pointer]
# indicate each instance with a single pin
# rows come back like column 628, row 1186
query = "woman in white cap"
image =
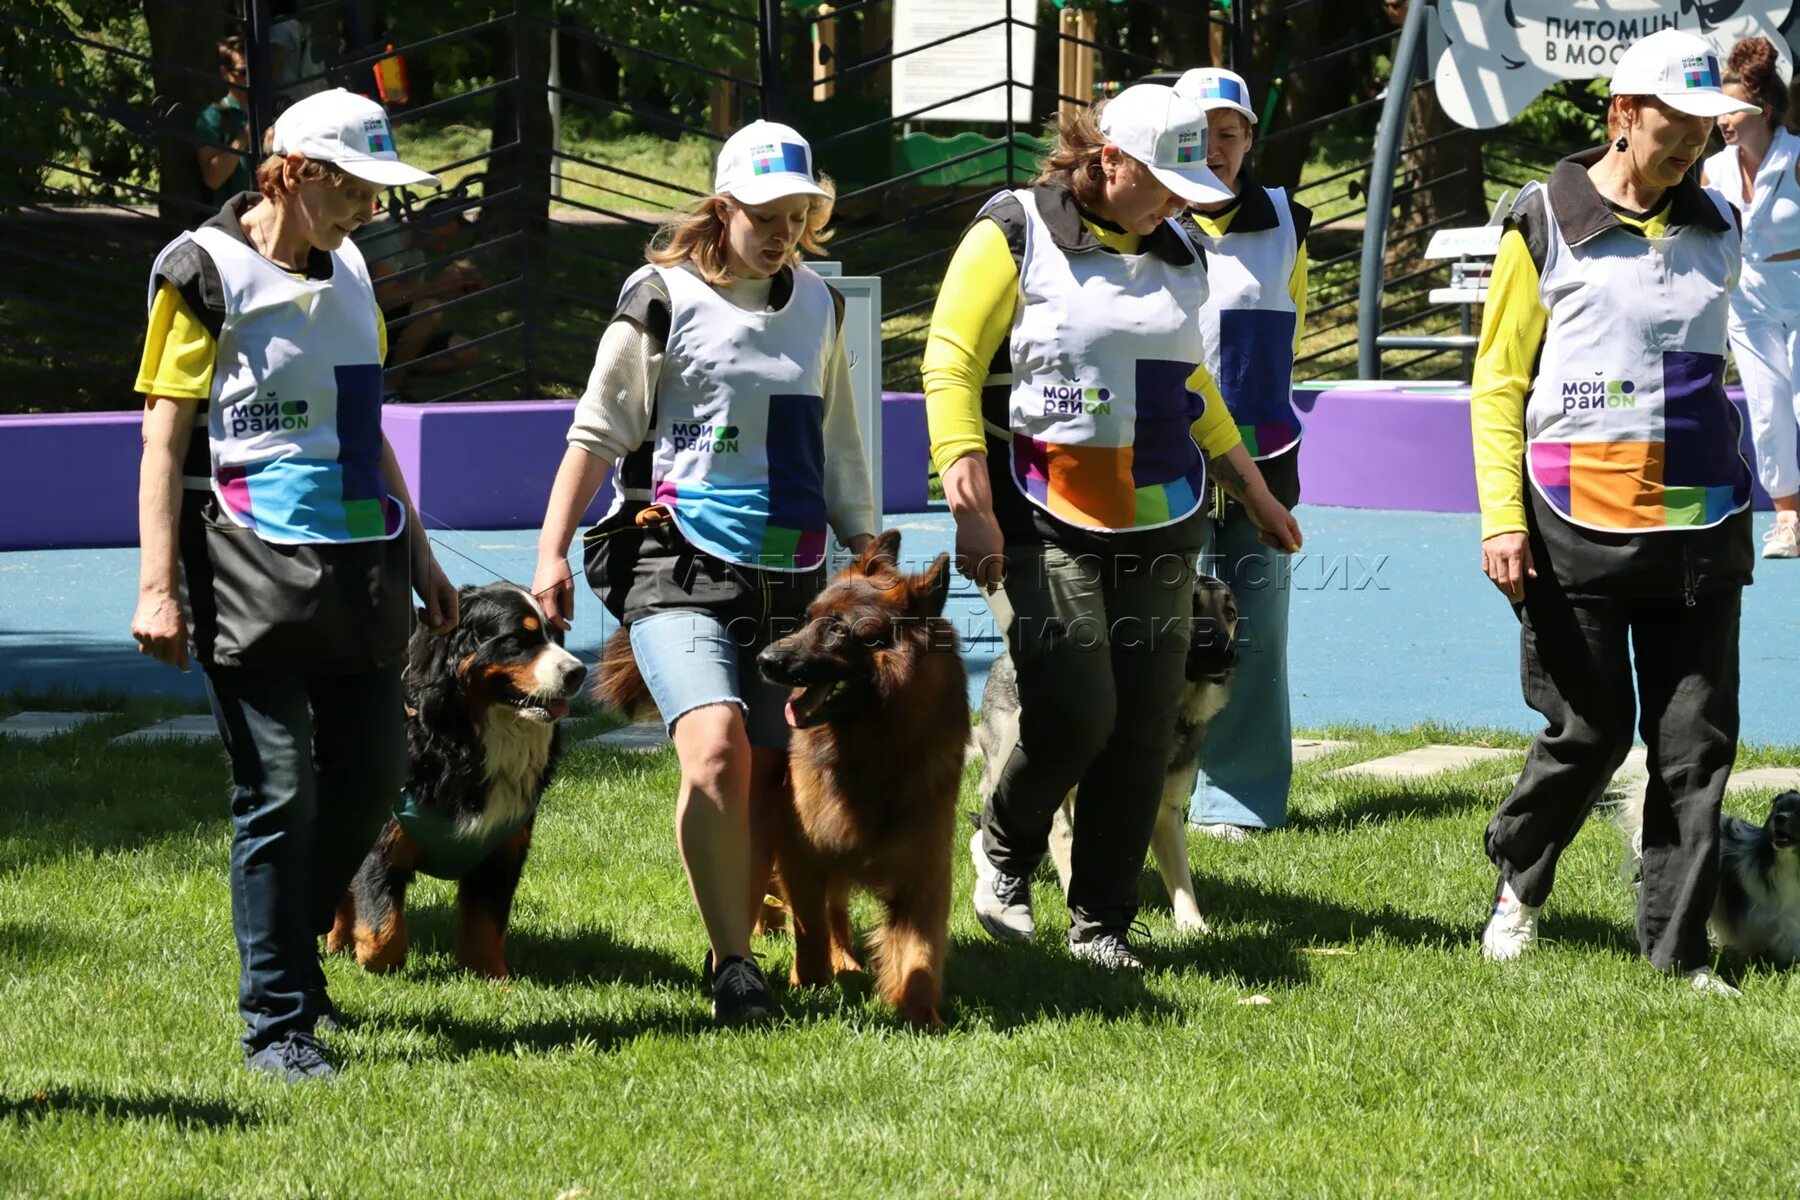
column 1614, row 501
column 268, row 487
column 1065, row 390
column 1255, row 246
column 721, row 392
column 1758, row 172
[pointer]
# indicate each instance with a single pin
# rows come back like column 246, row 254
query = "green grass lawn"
column 1336, row 1033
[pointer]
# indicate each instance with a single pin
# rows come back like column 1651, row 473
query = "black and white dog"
column 1212, row 660
column 1758, row 909
column 482, row 706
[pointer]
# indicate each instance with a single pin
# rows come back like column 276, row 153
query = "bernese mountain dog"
column 482, row 706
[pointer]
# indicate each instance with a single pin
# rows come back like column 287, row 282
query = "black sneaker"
column 1107, row 949
column 294, row 1059
column 740, row 993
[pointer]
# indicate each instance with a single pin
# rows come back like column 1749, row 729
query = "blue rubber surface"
column 1393, row 622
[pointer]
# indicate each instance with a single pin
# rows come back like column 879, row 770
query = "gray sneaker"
column 1107, row 949
column 294, row 1059
column 1002, row 901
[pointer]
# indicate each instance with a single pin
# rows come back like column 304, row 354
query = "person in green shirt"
column 223, row 128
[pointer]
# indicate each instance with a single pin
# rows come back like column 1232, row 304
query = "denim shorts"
column 689, row 659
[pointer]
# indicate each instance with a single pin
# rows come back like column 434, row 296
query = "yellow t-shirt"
column 179, row 351
column 1512, row 333
column 973, row 315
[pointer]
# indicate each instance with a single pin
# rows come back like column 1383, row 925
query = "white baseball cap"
column 350, row 132
column 1680, row 69
column 765, row 161
column 1167, row 133
column 1215, row 87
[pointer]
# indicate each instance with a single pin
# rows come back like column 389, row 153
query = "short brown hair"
column 1074, row 158
column 269, row 180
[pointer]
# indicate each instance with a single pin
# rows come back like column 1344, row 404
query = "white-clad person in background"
column 1255, row 244
column 1758, row 171
column 268, row 489
column 721, row 391
column 1615, row 505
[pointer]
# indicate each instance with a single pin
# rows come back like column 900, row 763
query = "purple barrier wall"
column 489, row 466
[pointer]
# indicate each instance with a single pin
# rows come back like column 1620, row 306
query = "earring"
column 1620, row 144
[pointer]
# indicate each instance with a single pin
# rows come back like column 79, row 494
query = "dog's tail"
column 617, row 680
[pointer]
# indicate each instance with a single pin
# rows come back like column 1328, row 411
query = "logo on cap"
column 1222, row 89
column 778, row 156
column 381, row 141
column 1700, row 71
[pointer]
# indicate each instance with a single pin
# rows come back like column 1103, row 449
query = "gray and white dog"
column 1758, row 909
column 1212, row 659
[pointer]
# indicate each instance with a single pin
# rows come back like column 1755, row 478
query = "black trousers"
column 1576, row 662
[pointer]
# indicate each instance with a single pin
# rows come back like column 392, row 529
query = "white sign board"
column 862, row 344
column 1499, row 54
column 970, row 61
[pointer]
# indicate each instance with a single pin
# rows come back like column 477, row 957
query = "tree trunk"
column 1440, row 184
column 184, row 39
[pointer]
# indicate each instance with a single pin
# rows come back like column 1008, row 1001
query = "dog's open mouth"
column 541, row 708
column 1781, row 841
column 807, row 705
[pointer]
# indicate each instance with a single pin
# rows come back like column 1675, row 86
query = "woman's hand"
column 980, row 549
column 1506, row 559
column 1276, row 526
column 554, row 586
column 160, row 628
column 438, row 595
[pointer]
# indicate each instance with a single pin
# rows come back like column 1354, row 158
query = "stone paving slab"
column 1422, row 762
column 1779, row 779
column 641, row 738
column 36, row 726
column 1307, row 749
column 195, row 727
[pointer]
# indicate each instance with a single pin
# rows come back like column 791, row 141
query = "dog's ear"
column 882, row 554
column 434, row 683
column 929, row 590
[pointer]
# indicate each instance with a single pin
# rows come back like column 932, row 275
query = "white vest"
column 1627, row 420
column 1100, row 411
column 1771, row 221
column 740, row 421
column 294, row 419
column 1248, row 326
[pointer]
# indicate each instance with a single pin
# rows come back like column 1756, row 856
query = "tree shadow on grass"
column 182, row 1111
column 553, row 957
column 1396, row 805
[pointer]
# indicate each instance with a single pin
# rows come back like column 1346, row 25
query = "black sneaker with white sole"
column 740, row 993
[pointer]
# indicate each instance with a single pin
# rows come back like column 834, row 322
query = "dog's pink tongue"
column 792, row 719
column 558, row 708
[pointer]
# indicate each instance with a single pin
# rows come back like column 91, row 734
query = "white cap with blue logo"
column 1215, row 87
column 1681, row 69
column 765, row 161
column 1167, row 134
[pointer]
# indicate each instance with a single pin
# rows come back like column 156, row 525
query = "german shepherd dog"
column 880, row 717
column 1211, row 662
column 482, row 706
column 1758, row 909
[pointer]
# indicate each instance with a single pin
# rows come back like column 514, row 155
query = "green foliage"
column 1570, row 113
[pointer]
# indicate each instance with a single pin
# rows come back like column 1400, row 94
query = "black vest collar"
column 1582, row 215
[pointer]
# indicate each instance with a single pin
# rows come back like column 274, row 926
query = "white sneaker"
column 1511, row 929
column 1224, row 833
column 1783, row 540
column 1704, row 981
column 1002, row 901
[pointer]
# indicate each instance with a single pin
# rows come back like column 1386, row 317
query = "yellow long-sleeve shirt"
column 973, row 315
column 1512, row 332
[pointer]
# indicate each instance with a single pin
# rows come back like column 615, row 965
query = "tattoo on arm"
column 1229, row 477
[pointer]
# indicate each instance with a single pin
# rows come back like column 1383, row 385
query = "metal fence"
column 566, row 132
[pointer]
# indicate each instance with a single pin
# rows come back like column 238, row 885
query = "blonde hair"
column 1074, row 158
column 272, row 182
column 699, row 237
